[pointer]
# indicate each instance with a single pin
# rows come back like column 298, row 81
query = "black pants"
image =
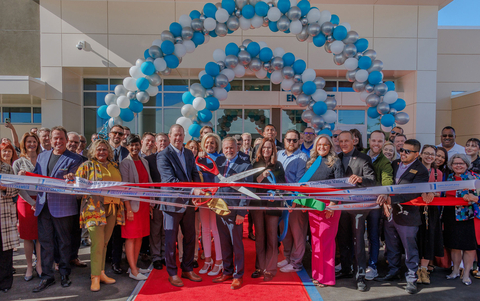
column 50, row 229
column 76, row 234
column 115, row 245
column 6, row 266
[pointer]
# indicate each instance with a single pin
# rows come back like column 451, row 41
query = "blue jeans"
column 373, row 225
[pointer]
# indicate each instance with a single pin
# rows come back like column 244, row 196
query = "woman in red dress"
column 134, row 169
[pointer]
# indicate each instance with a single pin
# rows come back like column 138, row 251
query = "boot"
column 419, row 276
column 95, row 287
column 425, row 276
column 105, row 279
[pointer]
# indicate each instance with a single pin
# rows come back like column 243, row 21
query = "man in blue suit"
column 56, row 212
column 177, row 164
column 230, row 227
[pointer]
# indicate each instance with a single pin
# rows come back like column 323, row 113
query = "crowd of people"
column 53, row 226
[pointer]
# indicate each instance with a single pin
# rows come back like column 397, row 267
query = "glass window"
column 276, row 87
column 150, row 120
column 351, row 117
column 37, row 115
column 18, row 114
column 344, row 86
column 457, row 92
column 170, row 117
column 115, row 82
column 330, row 86
column 155, row 101
column 175, row 85
column 373, row 125
column 194, row 81
column 93, row 99
column 173, row 100
column 237, row 85
column 92, row 123
column 256, row 118
column 100, row 84
column 229, row 122
column 257, row 85
column 292, row 120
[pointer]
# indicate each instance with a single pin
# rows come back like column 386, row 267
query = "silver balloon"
column 255, row 65
column 238, row 13
column 221, row 80
column 319, row 82
column 383, row 108
column 197, row 90
column 253, row 2
column 231, row 61
column 197, row 24
column 143, row 96
column 246, row 42
column 221, row 30
column 288, row 72
column 331, row 102
column 233, row 23
column 131, row 95
column 265, row 22
column 267, row 66
column 242, row 48
column 303, row 100
column 297, row 78
column 241, row 3
column 167, row 71
column 154, row 79
column 377, row 65
column 304, row 21
column 358, row 55
column 307, row 116
column 352, row 37
column 402, row 118
column 314, row 29
column 328, row 46
column 294, row 13
column 372, row 100
column 277, row 63
column 310, row 105
column 317, row 122
column 155, row 51
column 296, row 88
column 206, row 32
column 179, row 40
column 329, row 39
column 381, row 89
column 209, row 92
column 167, row 36
column 369, row 88
column 350, row 50
column 180, row 59
column 187, row 33
column 202, row 17
column 393, row 111
column 327, row 126
column 150, row 59
column 358, row 86
column 327, row 28
column 244, row 57
column 303, row 35
column 283, row 23
column 372, row 54
column 351, row 75
column 339, row 59
column 221, row 65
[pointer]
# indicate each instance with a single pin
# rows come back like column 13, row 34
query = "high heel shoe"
column 215, row 273
column 206, row 266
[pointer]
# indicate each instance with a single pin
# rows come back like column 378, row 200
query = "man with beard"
column 395, row 132
column 308, row 138
column 126, row 132
column 448, row 142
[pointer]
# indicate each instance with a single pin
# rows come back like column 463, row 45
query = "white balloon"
column 199, row 103
column 351, row 63
column 189, row 45
column 229, row 73
column 123, row 102
column 110, row 98
column 209, row 24
column 296, row 27
column 386, row 129
column 115, row 121
column 219, row 55
column 346, row 25
column 244, row 23
column 157, row 42
column 139, row 62
column 219, row 93
column 184, row 122
column 337, row 47
column 221, row 15
column 120, row 90
column 364, row 95
column 188, row 137
column 279, row 51
column 113, row 110
column 201, row 73
column 390, row 97
column 130, row 83
column 185, row 20
column 274, row 14
column 262, row 73
column 207, row 38
column 293, row 3
column 313, row 15
column 239, row 70
column 160, row 64
column 262, row 44
column 287, row 84
column 361, row 75
column 136, row 72
column 276, row 77
column 180, row 50
column 188, row 111
column 325, row 16
column 319, row 95
column 330, row 116
column 152, row 90
column 308, row 75
column 257, row 21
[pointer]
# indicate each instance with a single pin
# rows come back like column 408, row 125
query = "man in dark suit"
column 358, row 167
column 177, row 164
column 401, row 230
column 56, row 212
column 230, row 227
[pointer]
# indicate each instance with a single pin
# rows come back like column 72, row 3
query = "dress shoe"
column 222, row 278
column 95, row 286
column 28, row 278
column 144, row 257
column 175, row 281
column 78, row 263
column 236, row 284
column 361, row 284
column 157, row 265
column 66, row 282
column 267, row 276
column 105, row 279
column 344, row 274
column 251, row 236
column 191, row 276
column 43, row 285
column 411, row 288
column 116, row 268
column 195, row 264
column 257, row 274
column 389, row 277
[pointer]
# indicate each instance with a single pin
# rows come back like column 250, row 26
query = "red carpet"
column 284, row 286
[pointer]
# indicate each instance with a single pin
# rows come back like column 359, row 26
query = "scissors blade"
column 246, row 192
column 241, row 175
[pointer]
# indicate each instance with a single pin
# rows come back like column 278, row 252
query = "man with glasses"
column 336, row 144
column 395, row 132
column 401, row 230
column 308, row 138
column 115, row 138
column 448, row 142
column 83, row 144
column 294, row 163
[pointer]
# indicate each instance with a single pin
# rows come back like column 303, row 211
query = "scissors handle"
column 213, row 170
column 271, row 177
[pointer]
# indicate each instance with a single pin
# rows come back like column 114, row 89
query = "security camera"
column 80, row 45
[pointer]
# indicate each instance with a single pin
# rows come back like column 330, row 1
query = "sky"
column 460, row 13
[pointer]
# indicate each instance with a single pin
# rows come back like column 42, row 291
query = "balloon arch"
column 309, row 24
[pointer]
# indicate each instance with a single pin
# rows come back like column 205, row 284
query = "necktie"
column 115, row 157
column 226, row 168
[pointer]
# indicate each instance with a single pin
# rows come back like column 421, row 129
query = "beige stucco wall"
column 465, row 116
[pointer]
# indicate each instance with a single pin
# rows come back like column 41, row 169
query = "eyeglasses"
column 394, row 133
column 447, row 136
column 335, row 135
column 117, row 133
column 459, row 164
column 407, row 151
column 309, row 133
column 291, row 140
column 428, row 154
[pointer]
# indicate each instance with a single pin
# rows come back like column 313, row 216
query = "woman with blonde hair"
column 389, row 151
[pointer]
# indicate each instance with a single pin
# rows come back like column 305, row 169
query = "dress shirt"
column 294, row 165
column 116, row 152
column 373, row 158
column 456, row 149
column 181, row 156
column 305, row 150
column 401, row 170
column 229, row 164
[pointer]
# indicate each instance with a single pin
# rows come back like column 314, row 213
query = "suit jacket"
column 130, row 174
column 171, row 171
column 403, row 214
column 360, row 165
column 60, row 205
column 238, row 166
column 123, row 153
column 152, row 164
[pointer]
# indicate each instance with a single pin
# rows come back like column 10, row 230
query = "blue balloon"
column 248, row 11
column 209, row 10
column 194, row 130
column 142, row 83
column 148, row 68
column 102, row 112
column 126, row 115
column 172, row 61
column 167, row 47
column 320, row 108
column 204, row 115
column 228, row 87
column 187, row 98
column 198, row 38
column 207, row 81
column 304, row 6
column 283, row 5
column 364, row 62
column 212, row 69
column 212, row 34
column 273, row 26
column 261, row 9
column 372, row 112
column 287, row 31
column 340, row 33
column 335, row 19
column 176, row 29
column 375, row 77
column 387, row 120
column 232, row 49
column 332, row 126
column 135, row 106
column 212, row 103
column 399, row 104
column 299, row 66
column 362, row 45
column 253, row 48
column 229, row 5
column 319, row 40
column 265, row 54
column 146, row 54
column 325, row 132
column 309, row 88
column 390, row 85
column 195, row 14
column 288, row 59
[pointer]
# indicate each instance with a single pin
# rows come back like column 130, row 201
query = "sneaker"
column 338, row 268
column 361, row 284
column 282, row 263
column 371, row 273
column 289, row 268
